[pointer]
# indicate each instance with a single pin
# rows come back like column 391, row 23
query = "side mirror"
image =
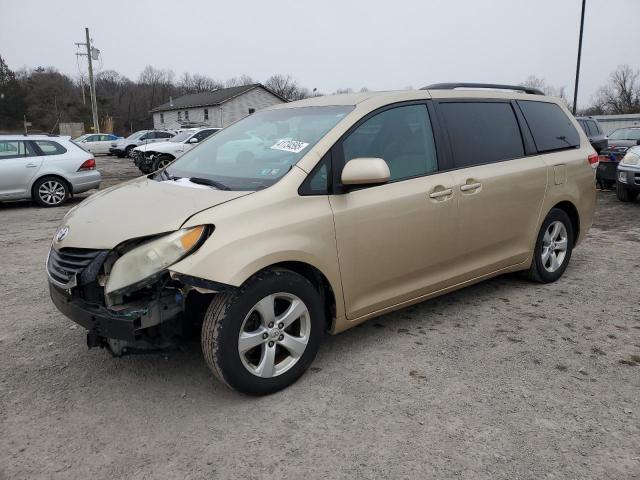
column 193, row 140
column 365, row 171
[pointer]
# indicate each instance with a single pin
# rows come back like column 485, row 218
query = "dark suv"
column 594, row 133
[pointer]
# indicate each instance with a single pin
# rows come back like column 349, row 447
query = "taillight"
column 593, row 160
column 88, row 165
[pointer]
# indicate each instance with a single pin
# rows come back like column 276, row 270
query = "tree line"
column 47, row 97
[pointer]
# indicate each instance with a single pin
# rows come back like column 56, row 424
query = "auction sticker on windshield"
column 293, row 146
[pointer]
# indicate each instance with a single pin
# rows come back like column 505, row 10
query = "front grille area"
column 68, row 263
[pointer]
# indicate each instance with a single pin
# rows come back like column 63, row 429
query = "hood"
column 137, row 208
column 163, row 146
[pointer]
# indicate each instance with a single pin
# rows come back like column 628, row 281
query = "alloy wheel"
column 554, row 246
column 274, row 335
column 52, row 192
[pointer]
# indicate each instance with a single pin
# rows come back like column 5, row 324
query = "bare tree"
column 239, row 81
column 535, row 82
column 197, row 83
column 286, row 87
column 622, row 93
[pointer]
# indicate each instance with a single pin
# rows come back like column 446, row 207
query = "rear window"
column 482, row 132
column 50, row 148
column 550, row 127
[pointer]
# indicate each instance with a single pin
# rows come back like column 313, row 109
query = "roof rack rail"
column 495, row 86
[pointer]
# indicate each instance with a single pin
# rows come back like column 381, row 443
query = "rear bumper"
column 86, row 181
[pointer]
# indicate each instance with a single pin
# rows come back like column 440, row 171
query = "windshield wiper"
column 211, row 183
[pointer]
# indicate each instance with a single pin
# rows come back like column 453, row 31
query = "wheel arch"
column 317, row 279
column 570, row 209
column 50, row 175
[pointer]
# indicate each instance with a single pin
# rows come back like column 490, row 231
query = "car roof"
column 34, row 136
column 354, row 99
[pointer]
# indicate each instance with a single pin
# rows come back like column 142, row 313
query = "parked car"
column 47, row 169
column 596, row 136
column 367, row 203
column 97, row 143
column 123, row 147
column 151, row 157
column 619, row 142
column 628, row 179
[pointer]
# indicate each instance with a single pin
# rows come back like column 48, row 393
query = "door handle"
column 470, row 186
column 441, row 193
column 30, row 165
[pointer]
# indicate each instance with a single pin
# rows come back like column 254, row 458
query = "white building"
column 609, row 123
column 218, row 108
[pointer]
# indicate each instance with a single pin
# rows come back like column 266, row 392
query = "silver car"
column 47, row 169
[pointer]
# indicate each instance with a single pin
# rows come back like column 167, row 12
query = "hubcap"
column 163, row 163
column 554, row 246
column 51, row 192
column 274, row 335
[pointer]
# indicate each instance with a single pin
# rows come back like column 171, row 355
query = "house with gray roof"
column 217, row 108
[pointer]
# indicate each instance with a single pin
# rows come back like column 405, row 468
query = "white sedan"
column 96, row 142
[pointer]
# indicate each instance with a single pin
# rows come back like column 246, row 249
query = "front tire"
column 263, row 337
column 161, row 161
column 624, row 194
column 50, row 192
column 553, row 248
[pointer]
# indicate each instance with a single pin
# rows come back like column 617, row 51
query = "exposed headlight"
column 631, row 158
column 146, row 261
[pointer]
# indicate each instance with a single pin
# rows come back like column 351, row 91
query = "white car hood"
column 162, row 147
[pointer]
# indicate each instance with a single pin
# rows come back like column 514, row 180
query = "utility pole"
column 575, row 90
column 92, row 84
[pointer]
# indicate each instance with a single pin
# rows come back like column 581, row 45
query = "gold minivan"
column 320, row 214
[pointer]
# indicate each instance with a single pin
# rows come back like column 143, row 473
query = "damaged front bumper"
column 154, row 317
column 132, row 323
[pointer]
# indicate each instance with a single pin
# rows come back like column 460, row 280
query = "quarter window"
column 482, row 132
column 50, row 148
column 401, row 136
column 550, row 127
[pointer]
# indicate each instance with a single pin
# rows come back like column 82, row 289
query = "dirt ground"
column 502, row 380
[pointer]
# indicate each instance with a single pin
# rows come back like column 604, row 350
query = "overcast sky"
column 330, row 44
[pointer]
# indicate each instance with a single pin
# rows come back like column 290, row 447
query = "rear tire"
column 553, row 248
column 624, row 194
column 282, row 344
column 50, row 192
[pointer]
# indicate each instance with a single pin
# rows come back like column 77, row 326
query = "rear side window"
column 15, row 149
column 50, row 148
column 550, row 127
column 482, row 132
column 401, row 136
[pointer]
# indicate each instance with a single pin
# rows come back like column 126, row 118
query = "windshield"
column 626, row 134
column 181, row 137
column 257, row 151
column 133, row 136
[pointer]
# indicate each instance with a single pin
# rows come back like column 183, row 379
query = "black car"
column 620, row 141
column 596, row 137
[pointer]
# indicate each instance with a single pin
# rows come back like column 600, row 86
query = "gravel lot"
column 502, row 380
